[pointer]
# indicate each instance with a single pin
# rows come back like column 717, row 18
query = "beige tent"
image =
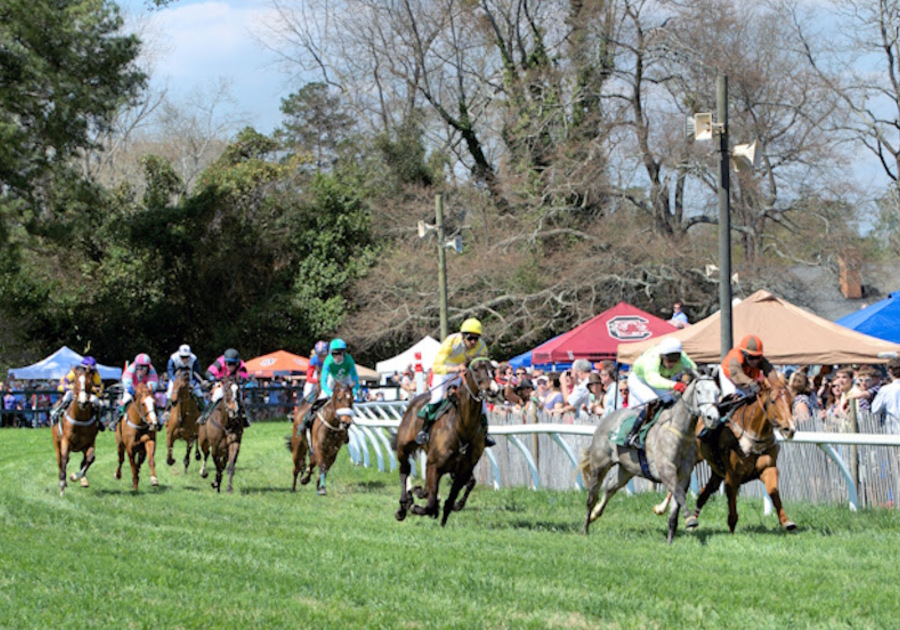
column 790, row 335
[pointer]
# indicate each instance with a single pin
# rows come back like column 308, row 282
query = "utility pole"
column 724, row 215
column 442, row 262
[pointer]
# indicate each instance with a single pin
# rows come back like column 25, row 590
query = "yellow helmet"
column 472, row 326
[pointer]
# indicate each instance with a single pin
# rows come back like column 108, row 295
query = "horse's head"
column 702, row 397
column 143, row 400
column 342, row 402
column 181, row 383
column 83, row 387
column 479, row 379
column 231, row 394
column 776, row 401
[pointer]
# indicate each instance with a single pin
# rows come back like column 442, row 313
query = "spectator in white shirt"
column 887, row 401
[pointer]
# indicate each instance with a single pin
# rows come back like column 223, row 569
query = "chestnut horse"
column 221, row 434
column 328, row 433
column 136, row 435
column 745, row 449
column 183, row 415
column 455, row 446
column 76, row 431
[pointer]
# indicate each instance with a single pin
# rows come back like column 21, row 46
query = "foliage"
column 515, row 557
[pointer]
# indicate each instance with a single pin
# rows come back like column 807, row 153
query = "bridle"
column 762, row 444
column 342, row 425
column 481, row 391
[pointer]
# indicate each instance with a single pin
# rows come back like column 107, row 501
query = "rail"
column 370, row 436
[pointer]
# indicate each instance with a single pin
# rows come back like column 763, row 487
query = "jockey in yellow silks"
column 88, row 366
column 450, row 366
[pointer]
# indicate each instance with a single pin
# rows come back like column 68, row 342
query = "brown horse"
column 76, row 431
column 745, row 449
column 183, row 415
column 136, row 435
column 454, row 448
column 328, row 433
column 221, row 434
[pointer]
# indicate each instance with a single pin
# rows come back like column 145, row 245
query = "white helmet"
column 184, row 350
column 669, row 345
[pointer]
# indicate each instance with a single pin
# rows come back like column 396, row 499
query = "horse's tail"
column 584, row 464
column 287, row 443
column 394, row 438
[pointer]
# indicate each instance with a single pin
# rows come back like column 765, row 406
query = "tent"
column 599, row 337
column 366, row 374
column 524, row 360
column 58, row 365
column 278, row 363
column 428, row 346
column 881, row 320
column 790, row 335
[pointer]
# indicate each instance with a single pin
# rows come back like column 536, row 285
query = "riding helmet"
column 184, row 350
column 669, row 345
column 142, row 359
column 338, row 344
column 321, row 348
column 472, row 326
column 232, row 356
column 89, row 362
column 752, row 345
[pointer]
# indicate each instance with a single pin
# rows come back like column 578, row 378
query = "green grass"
column 182, row 556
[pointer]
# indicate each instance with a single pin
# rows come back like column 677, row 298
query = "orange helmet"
column 752, row 345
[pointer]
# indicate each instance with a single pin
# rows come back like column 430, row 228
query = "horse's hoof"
column 322, row 492
column 84, row 483
column 197, row 456
column 117, row 475
column 790, row 526
column 73, row 477
column 691, row 522
column 204, row 474
column 153, row 480
column 170, row 461
column 304, row 481
column 400, row 514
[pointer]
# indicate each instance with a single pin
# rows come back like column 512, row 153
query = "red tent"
column 599, row 337
column 277, row 363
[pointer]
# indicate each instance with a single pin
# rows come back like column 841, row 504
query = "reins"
column 481, row 393
column 764, row 443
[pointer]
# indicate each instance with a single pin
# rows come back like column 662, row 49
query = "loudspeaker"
column 455, row 244
column 703, row 126
column 744, row 157
column 424, row 228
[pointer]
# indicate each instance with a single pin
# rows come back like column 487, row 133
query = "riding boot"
column 632, row 438
column 55, row 413
column 244, row 419
column 165, row 414
column 488, row 440
column 95, row 410
column 427, row 415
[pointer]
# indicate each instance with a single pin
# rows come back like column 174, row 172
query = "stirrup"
column 489, row 441
column 632, row 440
column 422, row 438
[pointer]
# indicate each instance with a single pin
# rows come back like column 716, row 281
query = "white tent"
column 58, row 365
column 428, row 346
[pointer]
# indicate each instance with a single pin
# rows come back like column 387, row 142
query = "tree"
column 315, row 122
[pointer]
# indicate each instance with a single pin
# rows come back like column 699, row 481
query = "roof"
column 881, row 319
column 58, row 365
column 599, row 337
column 278, row 363
column 790, row 335
column 428, row 347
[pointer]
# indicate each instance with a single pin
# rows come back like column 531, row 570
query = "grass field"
column 182, row 556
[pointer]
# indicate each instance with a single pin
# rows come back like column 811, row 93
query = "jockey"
column 184, row 359
column 140, row 371
column 654, row 376
column 338, row 367
column 744, row 368
column 450, row 365
column 229, row 364
column 314, row 371
column 88, row 366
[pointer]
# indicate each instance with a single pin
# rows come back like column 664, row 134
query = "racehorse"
column 454, row 448
column 76, row 431
column 328, row 432
column 747, row 450
column 222, row 432
column 136, row 435
column 671, row 452
column 183, row 415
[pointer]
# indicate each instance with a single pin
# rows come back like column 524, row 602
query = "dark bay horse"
column 183, row 415
column 222, row 432
column 455, row 446
column 136, row 435
column 745, row 449
column 328, row 433
column 76, row 431
column 671, row 452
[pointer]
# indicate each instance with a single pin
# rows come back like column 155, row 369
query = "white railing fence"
column 814, row 466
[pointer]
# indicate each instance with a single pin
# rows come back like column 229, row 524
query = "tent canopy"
column 790, row 335
column 881, row 320
column 278, row 363
column 428, row 346
column 599, row 337
column 58, row 365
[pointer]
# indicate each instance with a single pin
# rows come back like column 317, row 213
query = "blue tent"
column 881, row 320
column 58, row 365
column 524, row 360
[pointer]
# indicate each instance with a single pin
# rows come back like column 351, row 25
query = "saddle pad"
column 618, row 434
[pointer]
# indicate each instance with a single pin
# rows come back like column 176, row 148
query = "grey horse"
column 670, row 447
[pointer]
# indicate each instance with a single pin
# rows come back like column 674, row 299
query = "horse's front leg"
column 405, row 499
column 731, row 491
column 62, row 459
column 150, row 449
column 769, row 476
column 708, row 490
column 462, row 502
column 135, row 467
column 233, row 450
column 432, row 479
column 187, row 454
column 320, row 482
column 450, row 503
column 170, row 443
column 86, row 462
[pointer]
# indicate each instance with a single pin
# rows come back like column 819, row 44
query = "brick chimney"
column 848, row 273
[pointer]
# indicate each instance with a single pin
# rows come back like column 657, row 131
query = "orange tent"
column 278, row 363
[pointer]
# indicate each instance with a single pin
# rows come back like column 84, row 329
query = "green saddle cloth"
column 618, row 434
column 439, row 411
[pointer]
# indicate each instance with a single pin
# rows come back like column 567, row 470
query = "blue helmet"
column 89, row 362
column 338, row 344
column 321, row 348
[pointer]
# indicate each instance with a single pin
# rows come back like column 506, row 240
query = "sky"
column 193, row 43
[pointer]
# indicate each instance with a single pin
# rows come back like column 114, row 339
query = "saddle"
column 619, row 434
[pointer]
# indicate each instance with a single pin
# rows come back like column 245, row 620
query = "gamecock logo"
column 628, row 328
